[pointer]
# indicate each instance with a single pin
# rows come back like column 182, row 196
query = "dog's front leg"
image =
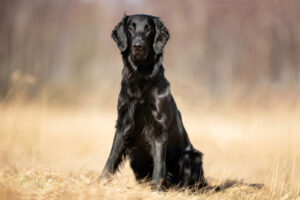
column 120, row 145
column 159, row 161
column 115, row 157
column 161, row 112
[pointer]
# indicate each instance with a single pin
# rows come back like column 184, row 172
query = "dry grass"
column 53, row 153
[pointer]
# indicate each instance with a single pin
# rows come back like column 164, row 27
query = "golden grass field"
column 53, row 152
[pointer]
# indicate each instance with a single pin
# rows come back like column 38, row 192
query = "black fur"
column 149, row 128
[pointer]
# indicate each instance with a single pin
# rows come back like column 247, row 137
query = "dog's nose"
column 138, row 45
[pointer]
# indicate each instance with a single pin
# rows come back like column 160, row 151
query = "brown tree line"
column 220, row 46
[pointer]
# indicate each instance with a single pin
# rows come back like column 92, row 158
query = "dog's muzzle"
column 139, row 50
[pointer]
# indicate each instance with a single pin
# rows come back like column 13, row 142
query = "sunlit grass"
column 49, row 152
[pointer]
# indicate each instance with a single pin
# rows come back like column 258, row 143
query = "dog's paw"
column 158, row 188
column 102, row 180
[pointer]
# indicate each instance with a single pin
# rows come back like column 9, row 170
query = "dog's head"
column 140, row 35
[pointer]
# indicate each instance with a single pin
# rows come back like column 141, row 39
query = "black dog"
column 149, row 128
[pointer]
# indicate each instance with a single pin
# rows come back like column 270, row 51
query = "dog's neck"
column 135, row 84
column 147, row 70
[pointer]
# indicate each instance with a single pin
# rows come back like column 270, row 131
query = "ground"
column 54, row 152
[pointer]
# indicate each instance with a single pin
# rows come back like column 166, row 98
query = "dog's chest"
column 144, row 111
column 144, row 99
column 143, row 115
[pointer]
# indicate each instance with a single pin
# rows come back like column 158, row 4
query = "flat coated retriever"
column 149, row 128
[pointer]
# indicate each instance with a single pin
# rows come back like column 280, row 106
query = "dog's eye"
column 131, row 29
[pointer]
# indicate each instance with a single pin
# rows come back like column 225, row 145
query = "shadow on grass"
column 193, row 190
column 226, row 185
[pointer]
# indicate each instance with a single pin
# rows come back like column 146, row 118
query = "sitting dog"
column 149, row 129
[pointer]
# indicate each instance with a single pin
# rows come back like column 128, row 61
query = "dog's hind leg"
column 192, row 170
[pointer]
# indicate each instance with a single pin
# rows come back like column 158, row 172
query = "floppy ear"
column 119, row 34
column 161, row 36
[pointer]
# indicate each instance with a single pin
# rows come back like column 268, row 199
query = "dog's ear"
column 119, row 34
column 161, row 36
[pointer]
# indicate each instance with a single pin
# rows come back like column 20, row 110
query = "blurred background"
column 219, row 52
column 233, row 65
